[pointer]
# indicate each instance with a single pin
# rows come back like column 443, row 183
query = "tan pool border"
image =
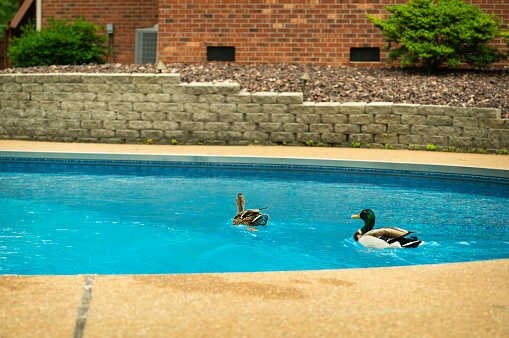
column 463, row 299
column 259, row 160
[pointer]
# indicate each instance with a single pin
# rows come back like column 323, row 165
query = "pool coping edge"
column 261, row 160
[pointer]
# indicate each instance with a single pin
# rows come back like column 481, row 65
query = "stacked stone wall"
column 134, row 108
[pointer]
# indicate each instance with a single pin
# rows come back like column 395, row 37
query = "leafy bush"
column 449, row 32
column 505, row 36
column 61, row 43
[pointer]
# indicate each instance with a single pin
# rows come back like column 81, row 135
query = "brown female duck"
column 249, row 217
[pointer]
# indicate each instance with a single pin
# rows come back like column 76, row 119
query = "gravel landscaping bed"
column 458, row 87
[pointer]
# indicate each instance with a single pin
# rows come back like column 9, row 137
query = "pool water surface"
column 61, row 220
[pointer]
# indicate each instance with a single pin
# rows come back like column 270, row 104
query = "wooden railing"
column 25, row 13
column 4, row 43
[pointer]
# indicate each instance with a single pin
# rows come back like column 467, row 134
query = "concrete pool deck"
column 453, row 300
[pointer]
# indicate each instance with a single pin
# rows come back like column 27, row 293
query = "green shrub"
column 61, row 43
column 449, row 32
column 505, row 36
column 431, row 147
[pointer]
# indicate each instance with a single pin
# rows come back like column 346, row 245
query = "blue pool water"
column 148, row 219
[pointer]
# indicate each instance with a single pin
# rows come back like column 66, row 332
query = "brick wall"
column 126, row 15
column 294, row 31
column 131, row 108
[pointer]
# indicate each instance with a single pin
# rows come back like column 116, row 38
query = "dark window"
column 220, row 53
column 365, row 54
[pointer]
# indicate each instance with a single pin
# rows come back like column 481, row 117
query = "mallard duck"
column 249, row 217
column 382, row 238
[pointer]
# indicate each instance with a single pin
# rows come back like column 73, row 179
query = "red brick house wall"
column 294, row 31
column 126, row 15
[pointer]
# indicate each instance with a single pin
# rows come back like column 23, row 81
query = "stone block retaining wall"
column 133, row 108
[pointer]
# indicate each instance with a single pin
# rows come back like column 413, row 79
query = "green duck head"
column 368, row 216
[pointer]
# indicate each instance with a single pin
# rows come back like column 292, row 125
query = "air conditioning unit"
column 145, row 46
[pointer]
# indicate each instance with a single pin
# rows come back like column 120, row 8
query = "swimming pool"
column 72, row 216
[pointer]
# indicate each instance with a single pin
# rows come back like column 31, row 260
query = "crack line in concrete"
column 83, row 309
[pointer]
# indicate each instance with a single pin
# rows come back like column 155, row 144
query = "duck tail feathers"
column 411, row 242
column 260, row 220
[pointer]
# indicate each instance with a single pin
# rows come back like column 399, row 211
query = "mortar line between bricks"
column 81, row 318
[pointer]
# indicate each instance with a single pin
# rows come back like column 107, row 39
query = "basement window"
column 220, row 53
column 365, row 54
